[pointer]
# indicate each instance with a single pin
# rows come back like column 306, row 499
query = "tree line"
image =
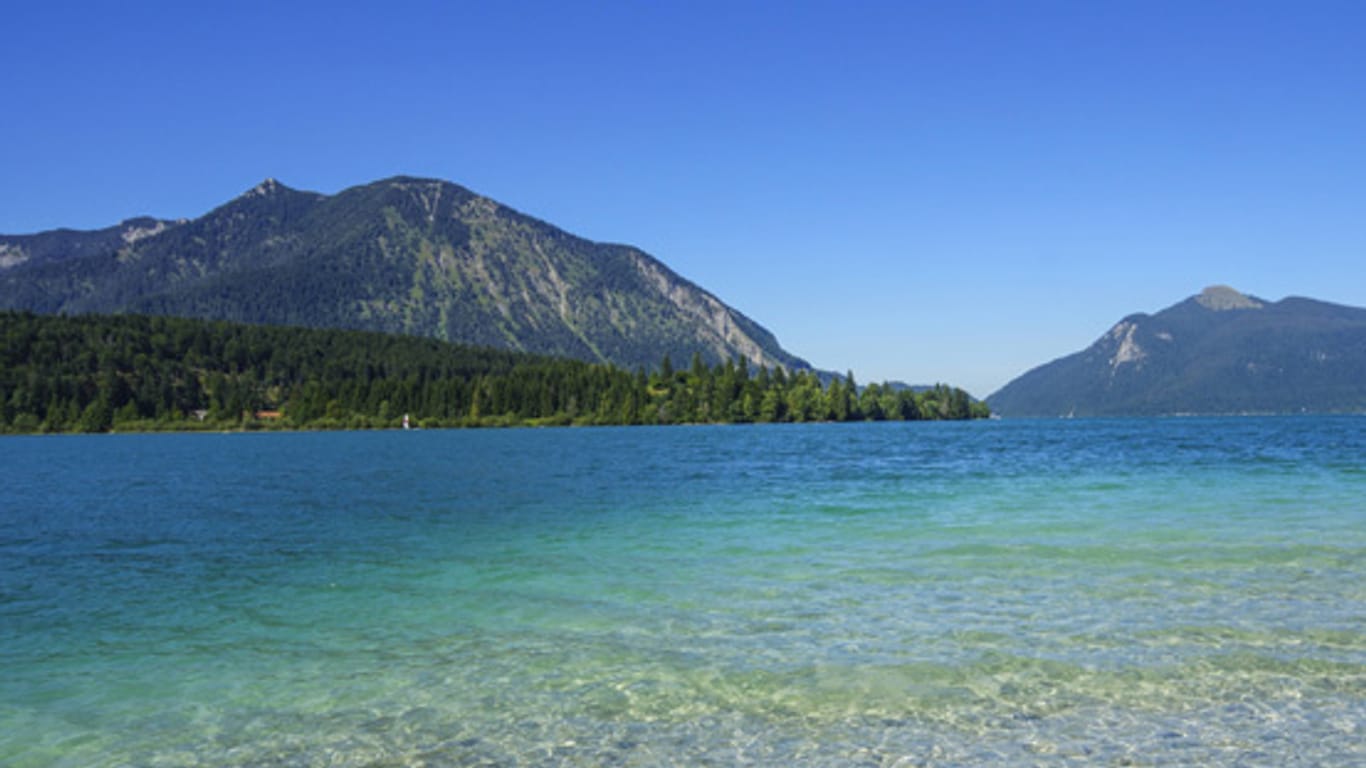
column 97, row 373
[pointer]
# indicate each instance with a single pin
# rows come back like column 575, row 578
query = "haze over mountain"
column 415, row 256
column 1219, row 352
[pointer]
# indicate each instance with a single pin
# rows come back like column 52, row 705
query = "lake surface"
column 1159, row 592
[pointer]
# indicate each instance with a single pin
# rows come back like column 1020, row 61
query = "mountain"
column 61, row 244
column 1216, row 353
column 402, row 255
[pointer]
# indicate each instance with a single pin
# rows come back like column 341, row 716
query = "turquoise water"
column 1166, row 592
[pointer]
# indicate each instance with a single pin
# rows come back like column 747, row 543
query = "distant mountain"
column 1220, row 352
column 404, row 255
column 61, row 244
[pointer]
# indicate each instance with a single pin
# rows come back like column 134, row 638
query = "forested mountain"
column 60, row 244
column 136, row 372
column 403, row 255
column 1216, row 353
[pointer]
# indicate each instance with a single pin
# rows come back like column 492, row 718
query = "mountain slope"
column 415, row 256
column 1218, row 352
column 47, row 248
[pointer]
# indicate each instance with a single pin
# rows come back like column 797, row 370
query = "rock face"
column 1215, row 353
column 416, row 256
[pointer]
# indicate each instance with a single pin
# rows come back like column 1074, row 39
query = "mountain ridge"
column 1218, row 352
column 405, row 254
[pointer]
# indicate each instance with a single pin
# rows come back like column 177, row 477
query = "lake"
column 1114, row 592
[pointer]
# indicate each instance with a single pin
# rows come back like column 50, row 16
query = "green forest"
column 100, row 373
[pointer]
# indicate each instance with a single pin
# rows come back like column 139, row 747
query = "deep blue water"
column 1153, row 592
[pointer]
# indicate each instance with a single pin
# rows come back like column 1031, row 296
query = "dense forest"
column 128, row 373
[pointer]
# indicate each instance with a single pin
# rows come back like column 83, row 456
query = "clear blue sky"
column 922, row 191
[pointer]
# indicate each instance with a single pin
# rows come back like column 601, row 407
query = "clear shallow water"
column 1163, row 592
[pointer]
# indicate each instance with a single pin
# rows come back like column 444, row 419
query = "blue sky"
column 923, row 191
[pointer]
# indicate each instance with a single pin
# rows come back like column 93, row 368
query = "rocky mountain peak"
column 265, row 188
column 1220, row 298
